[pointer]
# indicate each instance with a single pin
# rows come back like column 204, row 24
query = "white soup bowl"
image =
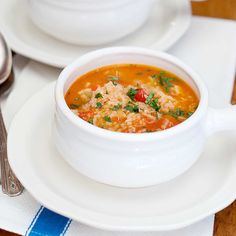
column 134, row 160
column 89, row 22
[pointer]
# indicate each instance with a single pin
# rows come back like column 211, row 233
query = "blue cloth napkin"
column 48, row 223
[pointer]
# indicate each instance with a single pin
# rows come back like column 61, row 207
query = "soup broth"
column 131, row 98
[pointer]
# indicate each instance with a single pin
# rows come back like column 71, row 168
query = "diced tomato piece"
column 167, row 124
column 94, row 87
column 118, row 119
column 115, row 119
column 85, row 115
column 140, row 96
column 164, row 122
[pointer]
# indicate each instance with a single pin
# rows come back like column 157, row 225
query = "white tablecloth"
column 209, row 47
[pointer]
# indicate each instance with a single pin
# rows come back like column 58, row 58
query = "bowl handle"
column 221, row 119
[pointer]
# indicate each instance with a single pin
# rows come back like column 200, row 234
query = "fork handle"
column 10, row 184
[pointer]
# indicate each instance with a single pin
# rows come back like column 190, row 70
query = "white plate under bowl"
column 204, row 189
column 167, row 23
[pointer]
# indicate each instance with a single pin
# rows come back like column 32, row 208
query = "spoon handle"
column 10, row 184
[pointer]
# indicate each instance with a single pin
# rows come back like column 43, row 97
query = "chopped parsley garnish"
column 178, row 112
column 162, row 73
column 131, row 108
column 113, row 79
column 135, row 109
column 155, row 76
column 90, row 120
column 107, row 118
column 166, row 82
column 154, row 104
column 189, row 113
column 73, row 106
column 98, row 105
column 116, row 107
column 131, row 93
column 98, row 95
column 163, row 80
column 149, row 98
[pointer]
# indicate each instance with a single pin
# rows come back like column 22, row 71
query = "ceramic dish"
column 203, row 190
column 168, row 21
column 26, row 203
column 89, row 23
column 134, row 160
column 206, row 188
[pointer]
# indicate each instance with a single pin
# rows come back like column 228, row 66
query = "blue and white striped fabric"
column 48, row 223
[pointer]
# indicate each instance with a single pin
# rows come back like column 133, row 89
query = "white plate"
column 168, row 22
column 205, row 189
column 209, row 188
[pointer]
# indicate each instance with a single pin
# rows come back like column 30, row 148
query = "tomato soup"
column 131, row 98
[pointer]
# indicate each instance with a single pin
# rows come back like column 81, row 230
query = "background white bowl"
column 89, row 22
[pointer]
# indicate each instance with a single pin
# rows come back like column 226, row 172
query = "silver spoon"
column 10, row 184
column 5, row 60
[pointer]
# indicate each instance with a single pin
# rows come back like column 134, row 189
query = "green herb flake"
column 98, row 95
column 116, row 107
column 90, row 121
column 189, row 113
column 131, row 93
column 149, row 98
column 98, row 105
column 135, row 109
column 113, row 79
column 154, row 104
column 155, row 76
column 107, row 118
column 162, row 73
column 166, row 83
column 178, row 112
column 131, row 108
column 73, row 106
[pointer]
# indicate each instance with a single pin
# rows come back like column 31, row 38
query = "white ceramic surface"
column 87, row 22
column 169, row 20
column 134, row 160
column 203, row 190
column 206, row 188
column 21, row 210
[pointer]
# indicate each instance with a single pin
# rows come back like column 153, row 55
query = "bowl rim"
column 130, row 137
column 84, row 5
